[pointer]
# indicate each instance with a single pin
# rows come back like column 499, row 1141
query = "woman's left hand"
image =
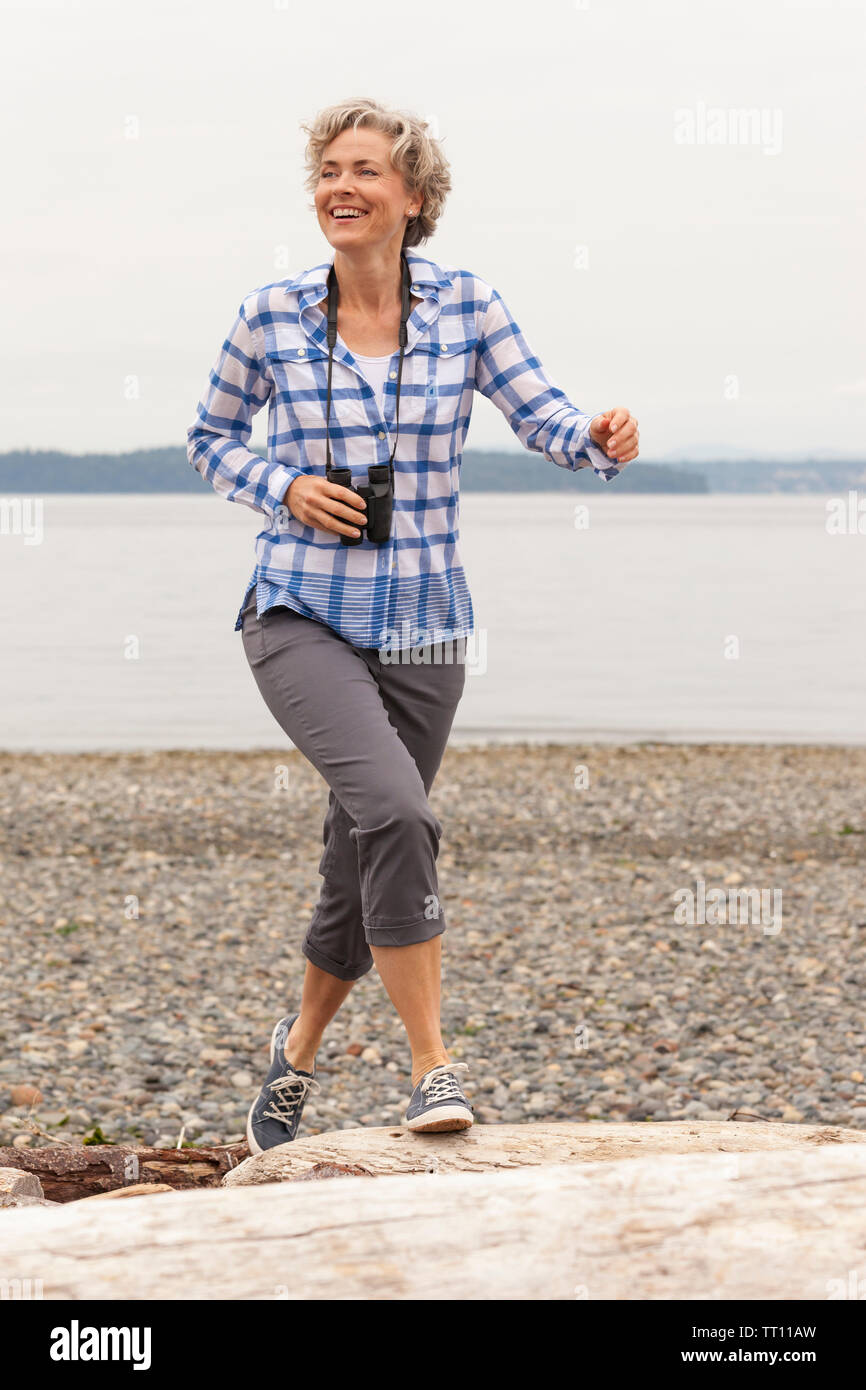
column 615, row 431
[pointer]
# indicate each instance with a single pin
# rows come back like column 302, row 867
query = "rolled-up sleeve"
column 217, row 439
column 509, row 374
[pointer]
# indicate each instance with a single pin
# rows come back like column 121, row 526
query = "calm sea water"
column 720, row 618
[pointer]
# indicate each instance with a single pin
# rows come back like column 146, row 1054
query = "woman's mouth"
column 347, row 214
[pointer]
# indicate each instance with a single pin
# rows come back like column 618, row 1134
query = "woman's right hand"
column 316, row 502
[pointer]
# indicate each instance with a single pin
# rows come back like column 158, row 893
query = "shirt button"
column 381, row 434
column 302, row 352
column 443, row 347
column 392, row 375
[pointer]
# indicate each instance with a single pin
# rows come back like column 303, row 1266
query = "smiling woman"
column 393, row 156
column 382, row 188
column 358, row 648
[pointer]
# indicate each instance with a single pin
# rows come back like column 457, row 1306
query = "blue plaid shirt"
column 461, row 338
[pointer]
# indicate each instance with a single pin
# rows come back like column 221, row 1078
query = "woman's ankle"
column 423, row 1062
column 301, row 1047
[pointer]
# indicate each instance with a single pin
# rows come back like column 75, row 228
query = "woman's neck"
column 369, row 283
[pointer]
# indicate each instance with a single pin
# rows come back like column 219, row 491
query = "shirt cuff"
column 597, row 456
column 280, row 480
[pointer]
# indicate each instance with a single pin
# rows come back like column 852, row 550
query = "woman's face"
column 356, row 172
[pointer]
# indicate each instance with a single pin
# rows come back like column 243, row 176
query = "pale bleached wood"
column 139, row 1189
column 484, row 1147
column 775, row 1224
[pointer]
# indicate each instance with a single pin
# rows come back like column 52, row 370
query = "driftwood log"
column 777, row 1224
column 483, row 1148
column 68, row 1173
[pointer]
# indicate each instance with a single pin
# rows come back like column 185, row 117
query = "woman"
column 339, row 598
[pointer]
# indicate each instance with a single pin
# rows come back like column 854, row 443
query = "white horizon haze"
column 669, row 198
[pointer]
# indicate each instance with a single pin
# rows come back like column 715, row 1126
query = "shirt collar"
column 311, row 286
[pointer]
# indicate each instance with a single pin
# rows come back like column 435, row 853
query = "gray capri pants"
column 376, row 730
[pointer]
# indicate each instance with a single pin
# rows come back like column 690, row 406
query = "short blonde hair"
column 414, row 153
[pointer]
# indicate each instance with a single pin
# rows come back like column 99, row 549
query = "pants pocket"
column 279, row 626
column 252, row 633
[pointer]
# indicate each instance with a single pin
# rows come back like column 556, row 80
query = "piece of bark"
column 68, row 1173
column 789, row 1224
column 15, row 1183
column 18, row 1189
column 397, row 1150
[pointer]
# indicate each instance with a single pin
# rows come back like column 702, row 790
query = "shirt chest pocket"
column 299, row 370
column 441, row 372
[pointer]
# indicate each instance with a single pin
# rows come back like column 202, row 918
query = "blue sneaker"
column 438, row 1103
column 276, row 1112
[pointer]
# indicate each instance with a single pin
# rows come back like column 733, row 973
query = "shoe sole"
column 252, row 1144
column 449, row 1117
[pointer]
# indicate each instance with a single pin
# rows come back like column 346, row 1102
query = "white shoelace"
column 289, row 1091
column 441, row 1084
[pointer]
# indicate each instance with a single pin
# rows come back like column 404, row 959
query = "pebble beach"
column 152, row 908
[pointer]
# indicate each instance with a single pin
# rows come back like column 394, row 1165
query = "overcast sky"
column 656, row 251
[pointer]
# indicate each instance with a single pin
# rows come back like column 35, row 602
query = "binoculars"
column 378, row 494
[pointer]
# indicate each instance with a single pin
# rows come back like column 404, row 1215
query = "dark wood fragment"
column 67, row 1173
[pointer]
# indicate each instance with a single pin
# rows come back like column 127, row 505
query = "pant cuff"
column 408, row 935
column 333, row 967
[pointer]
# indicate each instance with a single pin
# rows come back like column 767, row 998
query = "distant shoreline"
column 167, row 470
column 472, row 741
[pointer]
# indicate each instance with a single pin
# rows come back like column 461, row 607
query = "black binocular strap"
column 405, row 310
